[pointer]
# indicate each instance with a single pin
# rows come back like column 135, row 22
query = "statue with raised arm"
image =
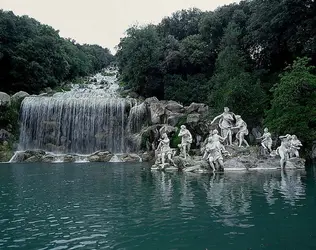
column 164, row 150
column 284, row 150
column 186, row 140
column 226, row 123
column 295, row 145
column 266, row 140
column 241, row 125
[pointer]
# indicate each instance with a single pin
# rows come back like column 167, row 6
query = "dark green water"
column 126, row 206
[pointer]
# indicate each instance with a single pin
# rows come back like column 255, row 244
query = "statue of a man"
column 241, row 125
column 266, row 140
column 186, row 140
column 164, row 150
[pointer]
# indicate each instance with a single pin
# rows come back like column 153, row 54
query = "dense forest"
column 255, row 57
column 33, row 56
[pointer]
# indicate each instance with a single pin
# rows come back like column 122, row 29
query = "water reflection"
column 229, row 196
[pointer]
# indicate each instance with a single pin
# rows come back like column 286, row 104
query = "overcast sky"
column 102, row 22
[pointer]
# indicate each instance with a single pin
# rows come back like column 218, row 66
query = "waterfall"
column 88, row 118
column 74, row 125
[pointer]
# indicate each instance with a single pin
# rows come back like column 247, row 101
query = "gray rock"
column 69, row 158
column 5, row 99
column 48, row 158
column 4, row 135
column 174, row 119
column 174, row 107
column 100, row 156
column 19, row 96
column 131, row 158
column 193, row 118
column 200, row 108
column 34, row 158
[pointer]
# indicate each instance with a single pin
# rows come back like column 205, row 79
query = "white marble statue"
column 284, row 149
column 266, row 140
column 186, row 140
column 241, row 125
column 226, row 123
column 214, row 149
column 163, row 150
column 295, row 145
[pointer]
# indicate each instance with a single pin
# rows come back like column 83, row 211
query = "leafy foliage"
column 33, row 56
column 294, row 101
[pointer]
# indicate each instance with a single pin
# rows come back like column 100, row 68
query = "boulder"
column 69, row 158
column 200, row 108
column 175, row 118
column 157, row 110
column 174, row 107
column 131, row 158
column 48, row 158
column 34, row 158
column 100, row 156
column 193, row 118
column 19, row 96
column 5, row 100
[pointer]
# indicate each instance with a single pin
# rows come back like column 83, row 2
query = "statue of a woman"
column 226, row 123
column 266, row 140
column 185, row 141
column 164, row 150
column 241, row 125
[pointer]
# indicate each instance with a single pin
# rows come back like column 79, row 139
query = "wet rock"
column 147, row 156
column 131, row 158
column 69, row 158
column 34, row 158
column 100, row 156
column 48, row 158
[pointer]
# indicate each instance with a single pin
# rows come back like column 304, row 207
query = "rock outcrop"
column 19, row 96
column 5, row 100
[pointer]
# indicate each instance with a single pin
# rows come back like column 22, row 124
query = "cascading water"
column 73, row 125
column 86, row 119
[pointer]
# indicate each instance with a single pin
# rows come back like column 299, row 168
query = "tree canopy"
column 33, row 55
column 233, row 57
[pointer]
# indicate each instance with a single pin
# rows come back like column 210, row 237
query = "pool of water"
column 126, row 206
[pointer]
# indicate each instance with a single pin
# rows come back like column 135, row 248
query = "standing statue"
column 266, row 140
column 295, row 145
column 186, row 141
column 164, row 150
column 284, row 149
column 226, row 123
column 241, row 125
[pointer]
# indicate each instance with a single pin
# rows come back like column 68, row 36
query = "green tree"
column 294, row 100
